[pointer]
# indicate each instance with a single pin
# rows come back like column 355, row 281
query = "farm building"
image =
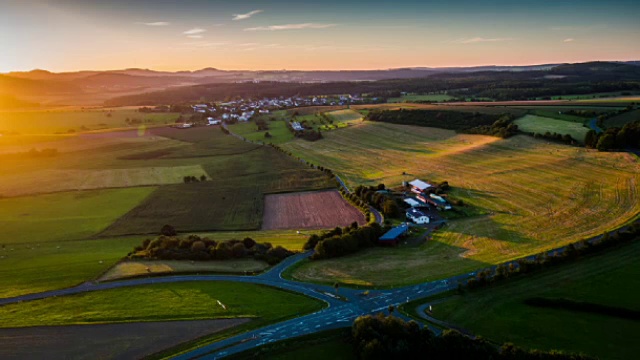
column 212, row 121
column 417, row 216
column 411, row 202
column 440, row 201
column 392, row 237
column 418, row 186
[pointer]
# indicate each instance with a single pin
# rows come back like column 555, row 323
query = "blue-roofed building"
column 392, row 237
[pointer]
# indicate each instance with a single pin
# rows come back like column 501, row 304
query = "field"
column 105, row 341
column 593, row 96
column 289, row 239
column 28, row 268
column 62, row 121
column 539, row 124
column 310, row 210
column 64, row 216
column 415, row 97
column 500, row 314
column 132, row 268
column 536, row 195
column 161, row 302
column 622, row 119
column 278, row 130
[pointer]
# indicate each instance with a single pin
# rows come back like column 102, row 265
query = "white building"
column 411, row 202
column 417, row 216
column 418, row 186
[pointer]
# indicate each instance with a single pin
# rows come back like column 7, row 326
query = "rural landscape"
column 209, row 180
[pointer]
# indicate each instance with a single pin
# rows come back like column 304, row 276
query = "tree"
column 203, row 178
column 198, row 246
column 390, row 208
column 591, row 139
column 606, row 142
column 168, row 230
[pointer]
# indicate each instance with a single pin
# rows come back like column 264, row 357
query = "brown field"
column 107, row 341
column 309, row 210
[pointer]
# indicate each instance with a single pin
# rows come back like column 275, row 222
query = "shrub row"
column 343, row 241
column 194, row 247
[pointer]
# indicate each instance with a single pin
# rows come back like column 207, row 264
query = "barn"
column 418, row 186
column 417, row 216
column 392, row 237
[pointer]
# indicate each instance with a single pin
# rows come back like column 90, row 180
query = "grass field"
column 133, row 268
column 592, row 96
column 278, row 130
column 29, row 268
column 289, row 239
column 162, row 302
column 64, row 216
column 500, row 314
column 539, row 124
column 415, row 97
column 622, row 119
column 536, row 195
column 49, row 122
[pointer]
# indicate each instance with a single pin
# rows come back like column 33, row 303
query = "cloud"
column 245, row 16
column 194, row 31
column 567, row 40
column 479, row 40
column 290, row 27
column 157, row 23
column 194, row 36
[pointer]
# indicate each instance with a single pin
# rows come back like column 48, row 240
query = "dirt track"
column 309, row 210
column 107, row 341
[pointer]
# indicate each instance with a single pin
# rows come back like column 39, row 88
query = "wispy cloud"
column 479, row 40
column 567, row 40
column 245, row 16
column 157, row 23
column 194, row 31
column 290, row 27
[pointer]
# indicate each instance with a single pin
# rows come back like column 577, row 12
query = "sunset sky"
column 188, row 35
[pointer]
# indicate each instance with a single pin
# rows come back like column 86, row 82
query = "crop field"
column 160, row 302
column 289, row 239
column 48, row 181
column 309, row 210
column 61, row 121
column 536, row 195
column 415, row 97
column 500, row 314
column 622, row 119
column 106, row 341
column 132, row 268
column 539, row 124
column 64, row 216
column 29, row 268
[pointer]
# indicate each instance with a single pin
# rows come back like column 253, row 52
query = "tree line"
column 343, row 241
column 615, row 138
column 388, row 337
column 194, row 247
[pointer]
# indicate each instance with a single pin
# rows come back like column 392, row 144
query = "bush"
column 168, row 230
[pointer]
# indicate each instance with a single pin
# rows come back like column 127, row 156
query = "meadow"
column 500, row 314
column 161, row 302
column 64, row 121
column 30, row 268
column 536, row 195
column 622, row 119
column 65, row 216
column 416, row 97
column 539, row 124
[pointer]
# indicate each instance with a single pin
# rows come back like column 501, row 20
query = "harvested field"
column 105, row 341
column 309, row 210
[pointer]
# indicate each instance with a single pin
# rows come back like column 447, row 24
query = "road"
column 374, row 211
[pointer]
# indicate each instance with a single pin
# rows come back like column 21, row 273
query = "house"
column 418, row 186
column 417, row 216
column 212, row 121
column 412, row 202
column 392, row 237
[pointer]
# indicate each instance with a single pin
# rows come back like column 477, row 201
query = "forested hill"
column 522, row 85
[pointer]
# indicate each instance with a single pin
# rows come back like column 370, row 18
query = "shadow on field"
column 488, row 227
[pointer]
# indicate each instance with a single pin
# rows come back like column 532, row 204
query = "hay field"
column 537, row 196
column 540, row 124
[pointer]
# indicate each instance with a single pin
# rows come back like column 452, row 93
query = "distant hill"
column 10, row 102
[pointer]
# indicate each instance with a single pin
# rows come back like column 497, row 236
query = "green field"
column 539, row 124
column 415, row 97
column 607, row 279
column 61, row 121
column 64, row 216
column 622, row 119
column 29, row 268
column 162, row 302
column 595, row 96
column 536, row 196
column 135, row 268
column 289, row 239
column 278, row 130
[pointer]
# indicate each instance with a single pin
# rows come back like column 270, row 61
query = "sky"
column 70, row 35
